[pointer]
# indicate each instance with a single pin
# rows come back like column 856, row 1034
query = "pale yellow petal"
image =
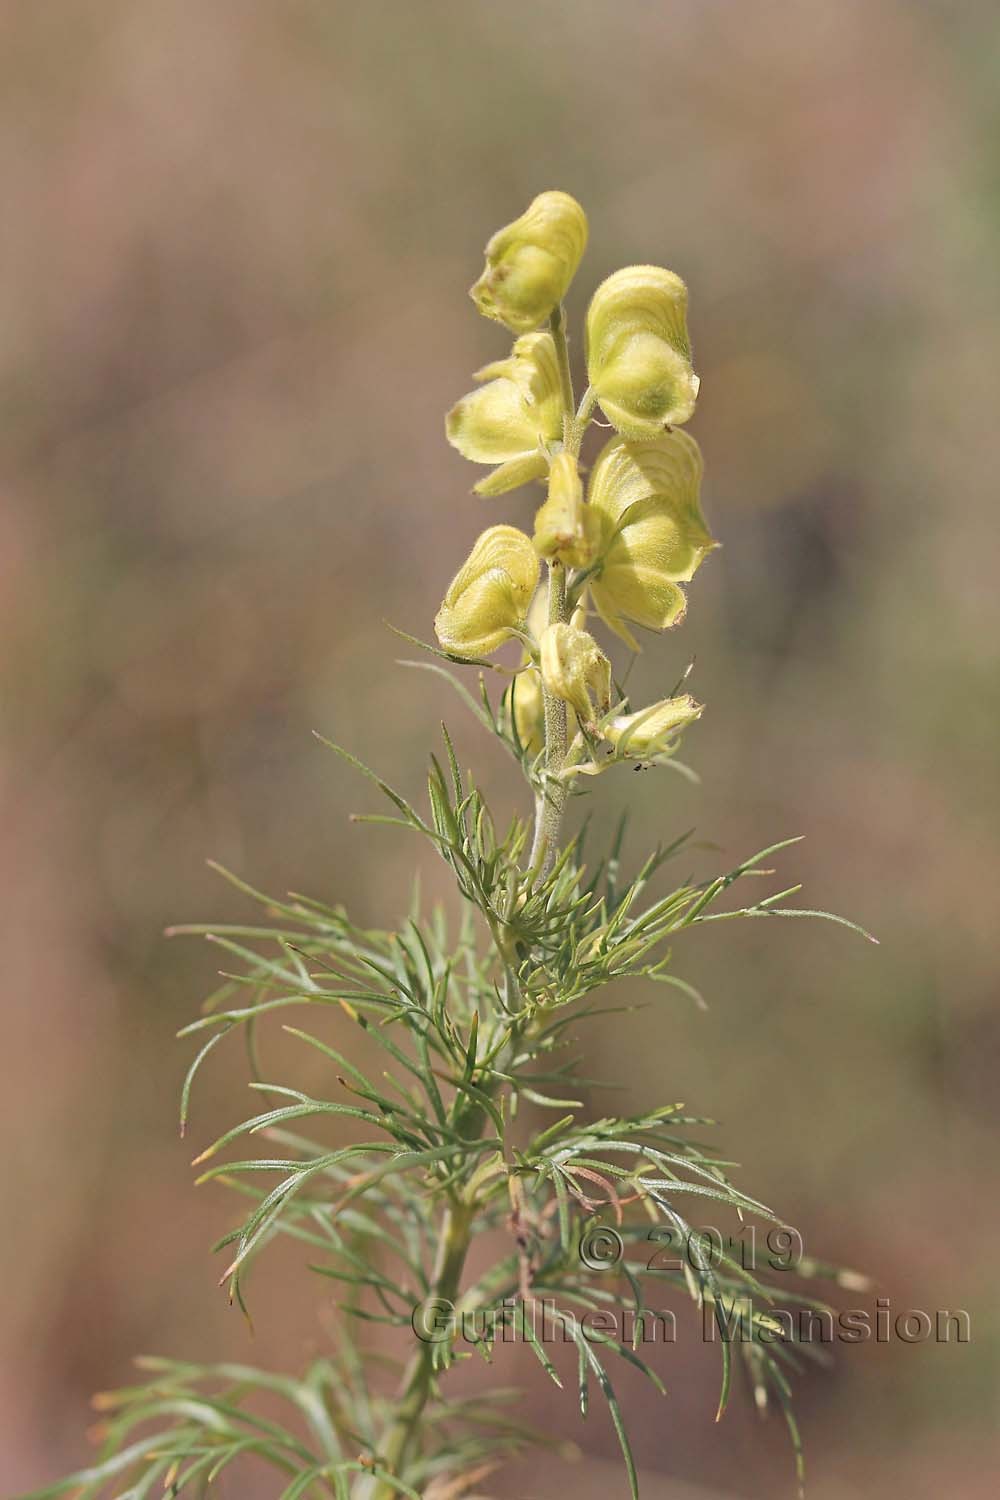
column 512, row 418
column 531, row 262
column 487, row 600
column 653, row 533
column 638, row 351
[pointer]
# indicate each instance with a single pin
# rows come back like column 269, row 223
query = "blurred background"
column 235, row 247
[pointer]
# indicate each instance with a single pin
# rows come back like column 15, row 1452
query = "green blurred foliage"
column 236, row 244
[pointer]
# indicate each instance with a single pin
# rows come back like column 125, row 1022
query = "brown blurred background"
column 236, row 241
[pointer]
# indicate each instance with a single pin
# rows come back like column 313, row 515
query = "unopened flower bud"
column 654, row 730
column 638, row 352
column 523, row 699
column 575, row 668
column 487, row 600
column 563, row 530
column 530, row 263
column 512, row 417
column 538, row 618
column 645, row 497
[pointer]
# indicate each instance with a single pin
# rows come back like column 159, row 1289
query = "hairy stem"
column 551, row 800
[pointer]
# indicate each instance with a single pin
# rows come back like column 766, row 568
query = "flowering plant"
column 473, row 1133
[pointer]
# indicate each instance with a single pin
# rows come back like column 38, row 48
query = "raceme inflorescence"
column 453, row 1114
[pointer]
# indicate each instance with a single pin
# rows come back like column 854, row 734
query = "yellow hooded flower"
column 653, row 731
column 575, row 668
column 488, row 599
column 563, row 529
column 645, row 498
column 510, row 419
column 530, row 263
column 638, row 352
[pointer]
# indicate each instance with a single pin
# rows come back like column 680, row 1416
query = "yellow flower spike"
column 654, row 730
column 575, row 668
column 488, row 599
column 564, row 532
column 638, row 351
column 512, row 417
column 645, row 498
column 530, row 263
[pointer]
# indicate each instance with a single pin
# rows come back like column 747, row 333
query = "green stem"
column 396, row 1448
column 557, row 324
column 397, row 1445
column 551, row 800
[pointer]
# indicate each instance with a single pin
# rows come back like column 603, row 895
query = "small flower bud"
column 488, row 599
column 524, row 698
column 510, row 419
column 645, row 497
column 574, row 667
column 579, row 616
column 654, row 730
column 530, row 263
column 563, row 530
column 638, row 352
column 538, row 619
